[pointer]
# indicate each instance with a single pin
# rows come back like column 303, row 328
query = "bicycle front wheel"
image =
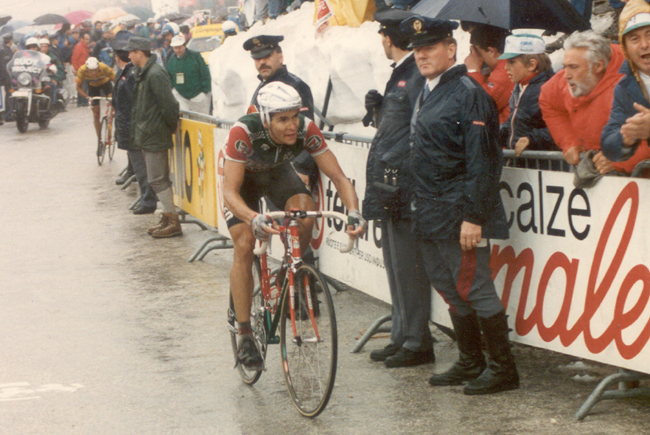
column 258, row 324
column 309, row 357
column 110, row 140
column 101, row 141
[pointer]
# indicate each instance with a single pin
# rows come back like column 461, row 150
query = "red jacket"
column 499, row 86
column 580, row 121
column 80, row 54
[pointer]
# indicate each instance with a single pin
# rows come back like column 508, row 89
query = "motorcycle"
column 32, row 91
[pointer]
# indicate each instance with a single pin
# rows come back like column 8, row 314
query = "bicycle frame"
column 291, row 261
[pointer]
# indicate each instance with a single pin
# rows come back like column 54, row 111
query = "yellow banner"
column 192, row 171
column 347, row 12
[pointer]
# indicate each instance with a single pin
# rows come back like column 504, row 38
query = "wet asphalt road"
column 105, row 330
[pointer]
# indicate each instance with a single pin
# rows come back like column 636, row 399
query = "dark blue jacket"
column 525, row 118
column 284, row 76
column 391, row 146
column 456, row 160
column 122, row 101
column 626, row 93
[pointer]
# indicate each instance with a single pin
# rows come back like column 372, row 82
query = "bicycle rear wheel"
column 309, row 359
column 101, row 141
column 258, row 324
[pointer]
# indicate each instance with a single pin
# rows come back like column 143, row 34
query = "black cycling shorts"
column 277, row 185
column 100, row 91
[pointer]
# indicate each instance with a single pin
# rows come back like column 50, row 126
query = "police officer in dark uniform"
column 267, row 55
column 5, row 79
column 387, row 199
column 456, row 165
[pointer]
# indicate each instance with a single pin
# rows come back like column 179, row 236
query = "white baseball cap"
column 177, row 40
column 522, row 44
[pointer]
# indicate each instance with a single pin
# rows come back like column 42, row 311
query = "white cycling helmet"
column 31, row 41
column 277, row 97
column 92, row 63
column 229, row 28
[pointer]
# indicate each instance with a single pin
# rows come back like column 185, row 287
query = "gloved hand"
column 372, row 103
column 258, row 224
column 355, row 218
column 373, row 100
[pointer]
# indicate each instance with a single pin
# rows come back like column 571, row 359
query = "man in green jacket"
column 154, row 119
column 190, row 77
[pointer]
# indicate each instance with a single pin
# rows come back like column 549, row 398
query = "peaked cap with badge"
column 424, row 31
column 391, row 18
column 263, row 45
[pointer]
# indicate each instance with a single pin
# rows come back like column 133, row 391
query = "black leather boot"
column 501, row 372
column 471, row 361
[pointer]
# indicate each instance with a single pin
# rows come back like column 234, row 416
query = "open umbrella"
column 140, row 11
column 77, row 17
column 552, row 15
column 128, row 19
column 50, row 19
column 107, row 14
column 174, row 17
column 4, row 20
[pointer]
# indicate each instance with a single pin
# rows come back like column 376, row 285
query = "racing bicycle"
column 106, row 141
column 294, row 301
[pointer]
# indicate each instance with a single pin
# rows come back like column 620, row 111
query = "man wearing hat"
column 103, row 50
column 529, row 67
column 154, row 119
column 388, row 178
column 269, row 62
column 5, row 79
column 456, row 165
column 190, row 77
column 627, row 132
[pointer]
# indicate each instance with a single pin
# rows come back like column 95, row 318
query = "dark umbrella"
column 5, row 20
column 50, row 19
column 140, row 11
column 552, row 15
column 174, row 17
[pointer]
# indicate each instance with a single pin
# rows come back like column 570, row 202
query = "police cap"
column 263, row 45
column 427, row 31
column 391, row 17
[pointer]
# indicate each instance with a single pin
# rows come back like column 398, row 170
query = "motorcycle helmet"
column 171, row 28
column 229, row 28
column 31, row 41
column 44, row 41
column 92, row 63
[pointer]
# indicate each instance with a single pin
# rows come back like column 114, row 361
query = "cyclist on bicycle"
column 259, row 152
column 100, row 79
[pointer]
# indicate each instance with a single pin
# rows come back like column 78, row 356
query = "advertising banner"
column 192, row 170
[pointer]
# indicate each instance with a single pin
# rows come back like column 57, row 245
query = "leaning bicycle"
column 294, row 301
column 106, row 141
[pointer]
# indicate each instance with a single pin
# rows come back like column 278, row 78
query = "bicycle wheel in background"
column 101, row 141
column 250, row 376
column 110, row 140
column 309, row 359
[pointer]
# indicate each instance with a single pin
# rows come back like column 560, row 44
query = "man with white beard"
column 577, row 101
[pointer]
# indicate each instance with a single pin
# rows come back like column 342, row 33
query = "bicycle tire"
column 112, row 143
column 101, row 149
column 309, row 363
column 258, row 324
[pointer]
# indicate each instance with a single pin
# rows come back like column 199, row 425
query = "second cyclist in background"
column 259, row 152
column 100, row 79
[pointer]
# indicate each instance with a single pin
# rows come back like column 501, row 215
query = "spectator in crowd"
column 57, row 77
column 268, row 9
column 147, row 30
column 185, row 31
column 585, row 8
column 155, row 113
column 103, row 50
column 166, row 51
column 577, row 101
column 97, row 31
column 387, row 197
column 269, row 62
column 456, row 164
column 64, row 42
column 529, row 68
column 53, row 42
column 190, row 77
column 80, row 55
column 627, row 132
column 122, row 102
column 5, row 79
column 486, row 46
